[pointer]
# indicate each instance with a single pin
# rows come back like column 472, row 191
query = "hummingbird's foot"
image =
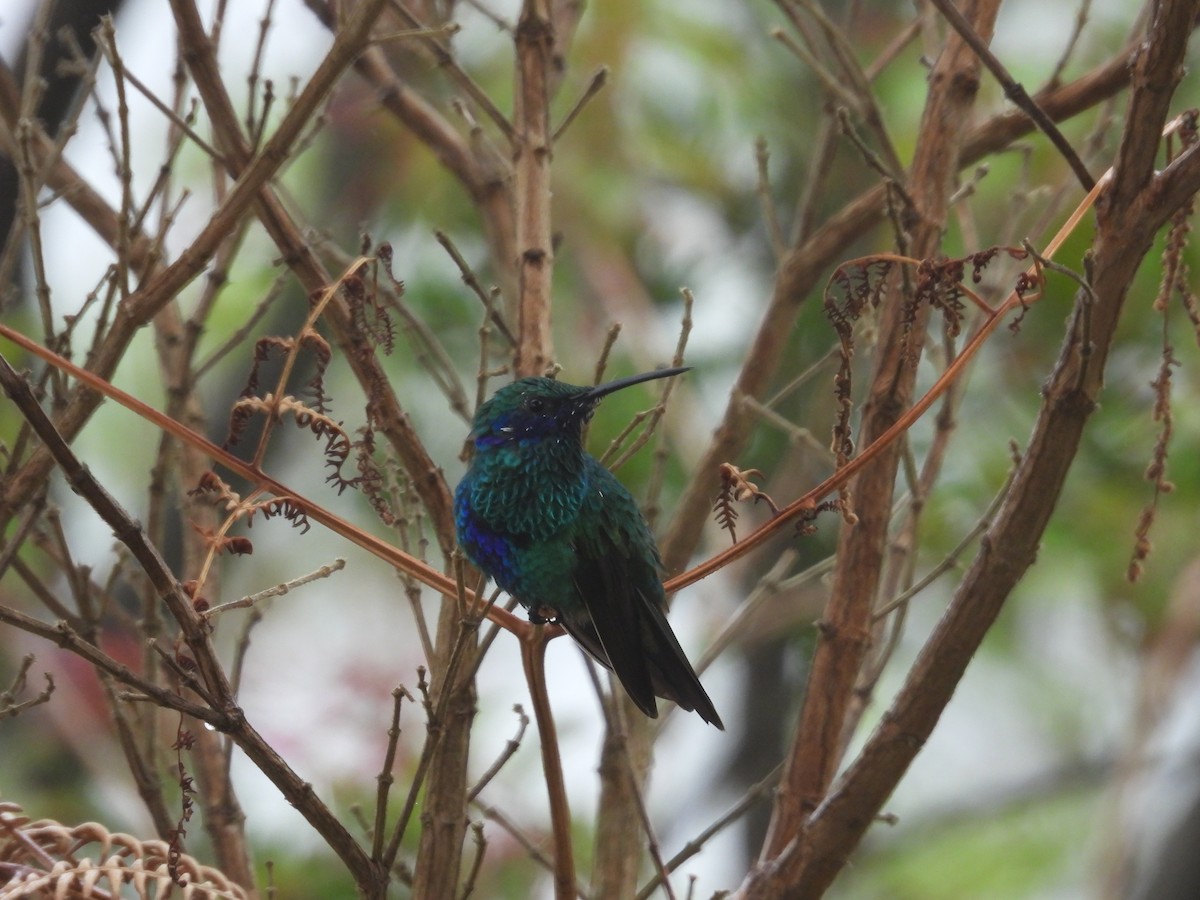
column 543, row 615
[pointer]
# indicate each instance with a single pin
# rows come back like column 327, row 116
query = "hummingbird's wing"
column 607, row 624
column 626, row 631
column 620, row 619
column 670, row 672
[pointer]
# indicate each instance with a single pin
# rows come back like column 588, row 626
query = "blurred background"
column 1068, row 763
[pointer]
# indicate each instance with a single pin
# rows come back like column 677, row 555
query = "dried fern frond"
column 736, row 487
column 44, row 858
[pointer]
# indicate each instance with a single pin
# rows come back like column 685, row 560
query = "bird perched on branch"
column 555, row 529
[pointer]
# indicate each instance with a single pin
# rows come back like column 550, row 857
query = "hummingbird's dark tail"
column 670, row 672
column 631, row 636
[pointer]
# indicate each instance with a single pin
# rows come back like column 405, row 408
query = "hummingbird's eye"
column 535, row 404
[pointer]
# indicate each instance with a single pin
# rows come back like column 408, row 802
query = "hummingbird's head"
column 532, row 410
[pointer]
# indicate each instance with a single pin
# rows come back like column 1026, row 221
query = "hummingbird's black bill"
column 603, row 390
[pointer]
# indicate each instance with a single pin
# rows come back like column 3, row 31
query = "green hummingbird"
column 555, row 529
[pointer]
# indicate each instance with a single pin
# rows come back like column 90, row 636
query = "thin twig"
column 1016, row 92
column 770, row 213
column 476, row 862
column 753, row 795
column 598, row 80
column 446, row 60
column 828, row 80
column 472, row 281
column 872, row 159
column 9, row 705
column 535, row 853
column 1069, row 48
column 433, row 736
column 635, row 791
column 654, row 415
column 950, row 560
column 175, row 119
column 510, row 748
column 274, row 292
column 277, row 591
column 385, row 777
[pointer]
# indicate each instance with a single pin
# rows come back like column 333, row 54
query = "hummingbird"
column 556, row 530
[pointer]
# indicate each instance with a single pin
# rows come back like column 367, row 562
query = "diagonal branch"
column 1016, row 92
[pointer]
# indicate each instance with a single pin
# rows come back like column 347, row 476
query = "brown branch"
column 533, row 656
column 1156, row 72
column 385, row 778
column 62, row 635
column 1016, row 92
column 433, row 737
column 533, row 148
column 845, row 628
column 445, row 59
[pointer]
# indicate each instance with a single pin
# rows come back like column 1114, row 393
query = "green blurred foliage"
column 1027, row 849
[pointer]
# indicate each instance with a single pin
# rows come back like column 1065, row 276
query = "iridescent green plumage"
column 556, row 530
